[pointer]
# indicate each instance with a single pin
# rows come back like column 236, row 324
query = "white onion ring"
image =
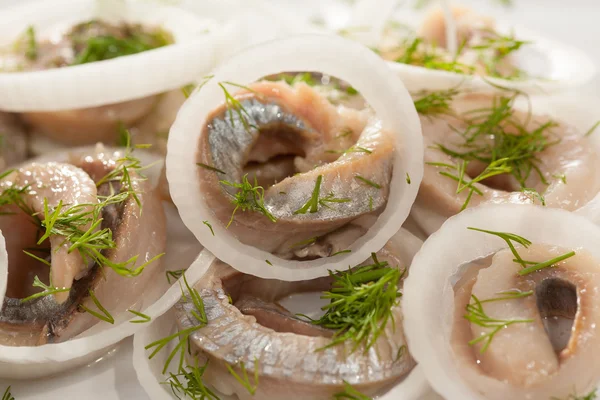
column 581, row 113
column 149, row 371
column 570, row 67
column 334, row 56
column 110, row 81
column 3, row 268
column 38, row 361
column 428, row 293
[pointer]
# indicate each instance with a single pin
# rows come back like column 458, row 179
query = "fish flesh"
column 292, row 140
column 245, row 323
column 555, row 351
column 13, row 141
column 565, row 169
column 60, row 316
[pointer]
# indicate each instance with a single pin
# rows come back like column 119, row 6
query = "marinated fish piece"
column 246, row 325
column 498, row 154
column 100, row 247
column 336, row 160
column 549, row 348
column 13, row 141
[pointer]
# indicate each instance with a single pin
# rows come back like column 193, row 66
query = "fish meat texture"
column 293, row 127
column 245, row 324
column 13, row 140
column 555, row 353
column 59, row 317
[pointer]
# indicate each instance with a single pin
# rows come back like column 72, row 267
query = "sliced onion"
column 334, row 56
column 110, row 81
column 3, row 268
column 580, row 113
column 149, row 371
column 182, row 248
column 428, row 291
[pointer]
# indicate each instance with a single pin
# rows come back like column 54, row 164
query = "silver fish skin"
column 313, row 136
column 290, row 366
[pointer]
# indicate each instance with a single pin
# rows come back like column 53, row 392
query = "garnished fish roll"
column 497, row 149
column 278, row 179
column 242, row 341
column 502, row 302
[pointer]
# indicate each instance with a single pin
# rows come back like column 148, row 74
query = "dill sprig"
column 528, row 266
column 80, row 225
column 209, row 227
column 435, row 103
column 103, row 313
column 367, row 181
column 198, row 313
column 592, row 129
column 361, row 302
column 244, row 379
column 31, row 51
column 7, row 394
column 210, row 168
column 477, row 315
column 312, row 204
column 349, row 393
column 143, row 317
column 415, row 52
column 176, row 274
column 501, row 46
column 248, row 198
column 573, row 396
column 234, row 107
column 188, row 383
column 47, row 289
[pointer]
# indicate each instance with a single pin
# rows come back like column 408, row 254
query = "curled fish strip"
column 372, row 79
column 528, row 359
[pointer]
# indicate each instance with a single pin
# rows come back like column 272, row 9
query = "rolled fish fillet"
column 78, row 238
column 282, row 179
column 496, row 150
column 13, row 140
column 248, row 332
column 514, row 320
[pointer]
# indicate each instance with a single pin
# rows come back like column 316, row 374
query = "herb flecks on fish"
column 312, row 204
column 143, row 317
column 176, row 274
column 528, row 266
column 435, row 103
column 573, row 396
column 367, row 181
column 477, row 315
column 350, row 393
column 209, row 227
column 188, row 383
column 361, row 303
column 7, row 394
column 501, row 47
column 31, row 51
column 47, row 289
column 234, row 107
column 102, row 312
column 210, row 168
column 244, row 379
column 198, row 313
column 592, row 129
column 248, row 198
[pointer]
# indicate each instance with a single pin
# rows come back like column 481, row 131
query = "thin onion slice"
column 580, row 113
column 28, row 362
column 110, row 81
column 149, row 371
column 334, row 56
column 428, row 291
column 3, row 268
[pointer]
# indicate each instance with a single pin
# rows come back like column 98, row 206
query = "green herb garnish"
column 368, row 182
column 7, row 395
column 144, row 318
column 32, row 49
column 47, row 290
column 103, row 313
column 176, row 274
column 435, row 103
column 349, row 393
column 209, row 227
column 188, row 382
column 208, row 167
column 243, row 379
column 248, row 198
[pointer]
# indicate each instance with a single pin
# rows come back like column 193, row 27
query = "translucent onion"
column 110, row 81
column 27, row 362
column 428, row 291
column 3, row 268
column 334, row 56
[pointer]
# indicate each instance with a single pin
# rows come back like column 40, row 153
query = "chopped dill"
column 501, row 46
column 528, row 266
column 304, row 242
column 341, row 252
column 353, row 149
column 344, row 132
column 573, row 396
column 103, row 313
column 592, row 129
column 368, row 182
column 143, row 317
column 248, row 198
column 407, row 178
column 435, row 103
column 361, row 303
column 244, row 379
column 187, row 90
column 477, row 315
column 123, row 135
column 199, row 314
column 7, row 394
column 370, row 203
column 533, row 195
column 269, row 262
column 208, row 167
column 234, row 107
column 350, row 393
column 400, row 353
column 312, row 204
column 43, row 261
column 176, row 274
column 47, row 290
column 188, row 383
column 31, row 51
column 561, row 177
column 209, row 227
